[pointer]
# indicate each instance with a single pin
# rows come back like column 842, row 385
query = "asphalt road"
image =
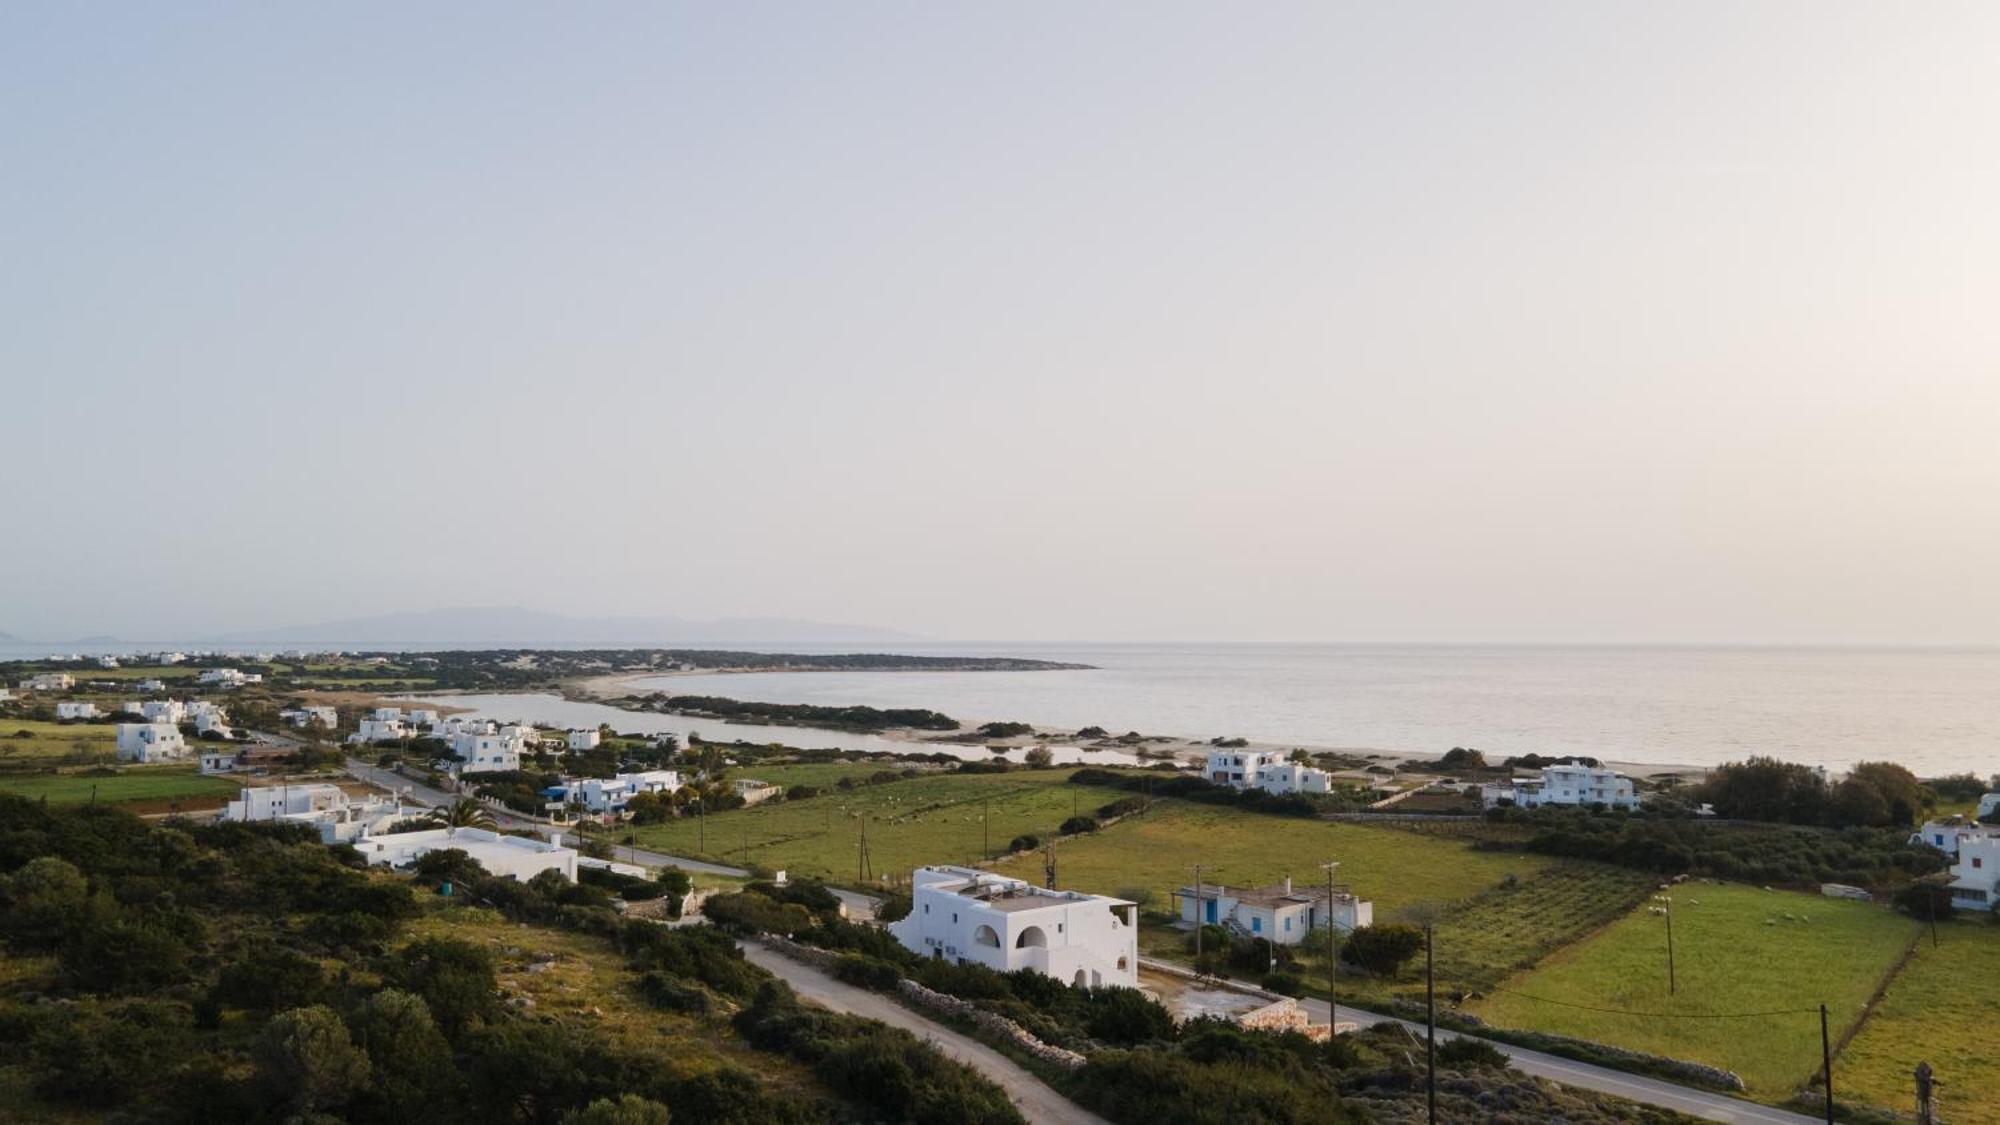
column 1036, row 1101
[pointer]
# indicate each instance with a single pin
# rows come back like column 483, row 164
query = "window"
column 1256, row 925
column 1978, row 862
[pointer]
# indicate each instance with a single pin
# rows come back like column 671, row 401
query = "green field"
column 930, row 819
column 1939, row 1009
column 1393, row 869
column 1507, row 929
column 175, row 672
column 1738, row 949
column 139, row 783
column 48, row 743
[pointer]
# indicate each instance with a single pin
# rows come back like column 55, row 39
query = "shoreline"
column 605, row 688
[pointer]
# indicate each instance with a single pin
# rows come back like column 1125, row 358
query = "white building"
column 107, row 662
column 610, row 795
column 147, row 743
column 460, row 724
column 163, row 710
column 489, row 752
column 971, row 916
column 754, row 791
column 1571, row 784
column 78, row 711
column 307, row 716
column 170, row 658
column 1274, row 773
column 230, row 677
column 1989, row 807
column 1279, row 913
column 148, row 687
column 49, row 681
column 581, row 739
column 379, row 730
column 1975, row 877
column 421, row 717
column 1945, row 835
column 339, row 818
column 514, row 857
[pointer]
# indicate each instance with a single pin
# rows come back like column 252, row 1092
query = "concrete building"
column 582, row 739
column 240, row 759
column 754, row 791
column 513, row 857
column 164, row 711
column 229, row 677
column 339, row 818
column 147, row 743
column 489, row 752
column 1975, row 877
column 107, row 662
column 1281, row 913
column 78, row 711
column 421, row 717
column 49, row 681
column 1273, row 773
column 1944, row 835
column 966, row 915
column 1989, row 808
column 306, row 716
column 148, row 687
column 1570, row 784
column 610, row 795
column 372, row 729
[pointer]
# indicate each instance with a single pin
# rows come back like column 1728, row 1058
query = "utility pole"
column 864, row 870
column 701, row 826
column 1826, row 1062
column 1926, row 1080
column 986, row 829
column 1431, row 1027
column 1332, row 957
column 1668, row 910
column 1197, row 916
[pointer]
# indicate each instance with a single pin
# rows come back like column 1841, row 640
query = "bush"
column 666, row 991
column 1127, row 1017
column 867, row 972
column 455, row 979
column 1466, row 1053
column 1383, row 949
column 743, row 912
column 1024, row 843
column 1077, row 825
column 1925, row 901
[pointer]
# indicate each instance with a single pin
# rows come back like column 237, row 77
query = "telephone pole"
column 1826, row 1062
column 1197, row 917
column 863, row 870
column 986, row 829
column 1431, row 1027
column 1332, row 959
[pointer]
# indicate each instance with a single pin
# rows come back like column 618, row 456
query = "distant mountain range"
column 514, row 627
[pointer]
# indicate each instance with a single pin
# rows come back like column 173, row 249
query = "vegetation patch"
column 1939, row 1009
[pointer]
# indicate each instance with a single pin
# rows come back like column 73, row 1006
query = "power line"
column 1663, row 1015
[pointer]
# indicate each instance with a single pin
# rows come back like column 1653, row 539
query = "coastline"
column 606, row 688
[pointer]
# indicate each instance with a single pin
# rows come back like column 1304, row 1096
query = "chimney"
column 1288, row 884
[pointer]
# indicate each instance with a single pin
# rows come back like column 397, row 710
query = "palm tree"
column 464, row 813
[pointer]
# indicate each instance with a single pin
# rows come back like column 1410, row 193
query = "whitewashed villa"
column 1569, row 784
column 147, row 743
column 1281, row 913
column 970, row 916
column 515, row 857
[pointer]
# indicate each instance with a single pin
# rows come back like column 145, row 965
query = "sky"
column 1544, row 322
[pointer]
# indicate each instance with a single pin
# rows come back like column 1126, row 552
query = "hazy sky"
column 1112, row 321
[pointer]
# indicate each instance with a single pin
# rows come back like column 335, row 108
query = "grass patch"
column 50, row 743
column 926, row 819
column 1727, row 960
column 1938, row 1009
column 159, row 783
column 1393, row 869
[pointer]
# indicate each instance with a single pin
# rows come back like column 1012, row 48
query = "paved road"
column 1634, row 1087
column 1036, row 1101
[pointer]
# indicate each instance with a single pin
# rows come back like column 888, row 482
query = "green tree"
column 1382, row 950
column 45, row 900
column 455, row 978
column 629, row 1109
column 463, row 813
column 1040, row 758
column 307, row 1061
column 412, row 1061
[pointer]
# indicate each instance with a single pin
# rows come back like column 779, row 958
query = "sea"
column 1935, row 710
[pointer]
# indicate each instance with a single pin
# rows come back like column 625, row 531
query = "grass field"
column 145, row 783
column 48, row 743
column 141, row 672
column 933, row 819
column 1939, row 1009
column 1508, row 929
column 1738, row 949
column 1393, row 869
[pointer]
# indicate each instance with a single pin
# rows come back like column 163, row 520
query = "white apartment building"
column 484, row 752
column 1975, row 877
column 581, row 739
column 339, row 818
column 307, row 716
column 164, row 711
column 1570, row 784
column 229, row 677
column 971, row 916
column 373, row 729
column 147, row 743
column 514, row 857
column 49, row 681
column 148, row 687
column 78, row 711
column 1271, row 772
column 1280, row 913
column 610, row 795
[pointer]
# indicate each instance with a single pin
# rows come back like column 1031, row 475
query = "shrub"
column 1077, row 825
column 1466, row 1053
column 1925, row 901
column 1024, row 843
column 307, row 1060
column 455, row 979
column 743, row 912
column 868, row 972
column 1383, row 949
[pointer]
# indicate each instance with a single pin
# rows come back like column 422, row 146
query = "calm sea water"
column 1934, row 710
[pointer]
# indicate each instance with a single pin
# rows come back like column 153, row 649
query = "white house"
column 230, row 677
column 461, row 724
column 49, row 681
column 1280, row 913
column 147, row 743
column 339, row 818
column 1975, row 877
column 78, row 711
column 421, row 717
column 163, row 710
column 107, row 662
column 5, row 695
column 581, row 739
column 1989, row 807
column 1945, row 835
column 379, row 730
column 754, row 791
column 489, row 752
column 610, row 795
column 238, row 758
column 307, row 716
column 1273, row 773
column 514, row 857
column 971, row 916
column 1569, row 784
column 170, row 658
column 148, row 687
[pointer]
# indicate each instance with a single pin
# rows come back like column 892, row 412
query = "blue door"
column 1211, row 910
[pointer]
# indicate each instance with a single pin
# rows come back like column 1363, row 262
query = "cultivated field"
column 1738, row 949
column 1394, row 869
column 145, row 783
column 1940, row 1009
column 1510, row 928
column 25, row 740
column 933, row 819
